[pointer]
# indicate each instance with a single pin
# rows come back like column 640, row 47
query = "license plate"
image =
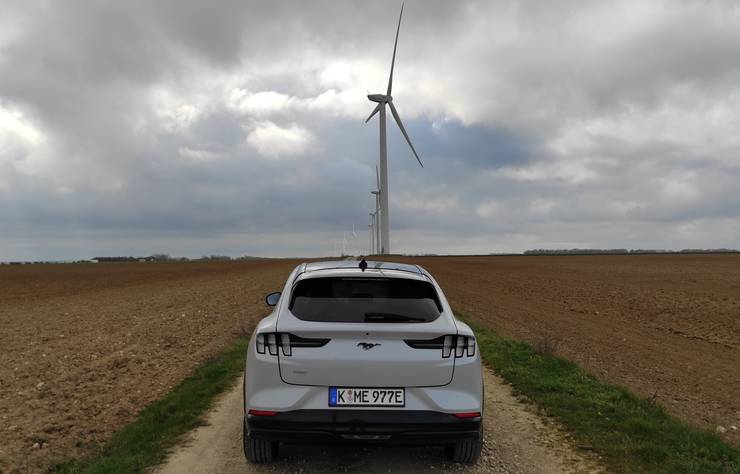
column 366, row 397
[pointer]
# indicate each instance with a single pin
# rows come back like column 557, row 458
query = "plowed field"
column 665, row 326
column 84, row 347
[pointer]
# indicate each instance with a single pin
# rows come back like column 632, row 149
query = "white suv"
column 362, row 353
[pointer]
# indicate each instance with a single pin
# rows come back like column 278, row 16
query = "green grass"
column 145, row 441
column 630, row 434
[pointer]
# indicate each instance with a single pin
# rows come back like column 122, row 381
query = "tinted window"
column 354, row 300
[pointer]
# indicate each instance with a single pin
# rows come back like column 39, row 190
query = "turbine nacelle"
column 380, row 98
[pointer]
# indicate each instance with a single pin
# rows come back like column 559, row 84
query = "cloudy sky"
column 236, row 127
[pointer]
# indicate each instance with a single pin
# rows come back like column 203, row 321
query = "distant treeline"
column 227, row 258
column 620, row 251
column 162, row 257
column 150, row 258
column 42, row 262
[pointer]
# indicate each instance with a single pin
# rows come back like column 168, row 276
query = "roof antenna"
column 363, row 264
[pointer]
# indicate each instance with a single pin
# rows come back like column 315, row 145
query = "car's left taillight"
column 268, row 342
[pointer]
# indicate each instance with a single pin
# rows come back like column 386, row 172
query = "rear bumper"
column 364, row 426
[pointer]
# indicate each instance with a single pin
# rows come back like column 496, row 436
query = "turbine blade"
column 393, row 61
column 377, row 178
column 375, row 111
column 403, row 130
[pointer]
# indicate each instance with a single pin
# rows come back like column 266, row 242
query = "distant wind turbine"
column 354, row 235
column 382, row 100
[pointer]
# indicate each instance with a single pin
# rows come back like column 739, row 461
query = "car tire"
column 259, row 451
column 465, row 451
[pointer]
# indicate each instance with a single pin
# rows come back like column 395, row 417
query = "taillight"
column 270, row 341
column 262, row 412
column 461, row 345
column 470, row 346
column 447, row 347
column 285, row 344
column 468, row 415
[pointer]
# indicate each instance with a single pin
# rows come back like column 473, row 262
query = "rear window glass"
column 373, row 300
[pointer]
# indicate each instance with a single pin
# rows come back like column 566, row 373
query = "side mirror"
column 272, row 299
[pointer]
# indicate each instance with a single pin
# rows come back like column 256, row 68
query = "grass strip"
column 629, row 433
column 158, row 427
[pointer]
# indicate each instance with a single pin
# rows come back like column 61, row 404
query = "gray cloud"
column 236, row 127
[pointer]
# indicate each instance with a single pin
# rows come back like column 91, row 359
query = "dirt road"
column 517, row 440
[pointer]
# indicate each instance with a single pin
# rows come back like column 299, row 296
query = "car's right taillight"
column 449, row 344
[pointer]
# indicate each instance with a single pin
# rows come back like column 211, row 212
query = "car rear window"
column 371, row 300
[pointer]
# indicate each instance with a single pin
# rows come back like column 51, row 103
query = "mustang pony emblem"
column 367, row 345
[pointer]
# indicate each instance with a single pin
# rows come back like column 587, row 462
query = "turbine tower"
column 383, row 100
column 376, row 216
column 371, row 226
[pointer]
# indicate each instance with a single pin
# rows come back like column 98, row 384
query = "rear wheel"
column 258, row 451
column 465, row 451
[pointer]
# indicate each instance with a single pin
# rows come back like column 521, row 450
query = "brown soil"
column 666, row 326
column 85, row 347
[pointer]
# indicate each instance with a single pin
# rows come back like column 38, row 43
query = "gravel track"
column 517, row 440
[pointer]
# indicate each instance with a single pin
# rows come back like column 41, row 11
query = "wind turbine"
column 383, row 100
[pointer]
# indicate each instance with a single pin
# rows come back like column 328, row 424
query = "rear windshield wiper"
column 390, row 318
